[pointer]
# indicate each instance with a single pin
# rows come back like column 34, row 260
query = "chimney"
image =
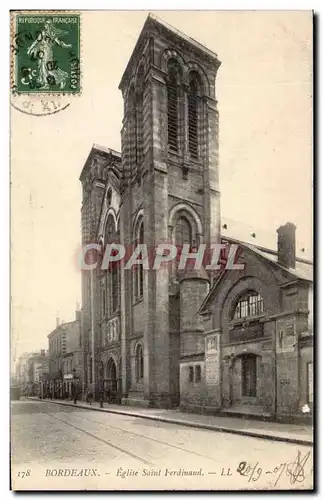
column 42, row 352
column 286, row 245
column 57, row 321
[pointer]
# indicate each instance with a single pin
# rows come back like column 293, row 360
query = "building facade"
column 65, row 358
column 30, row 369
column 258, row 331
column 22, row 370
column 146, row 334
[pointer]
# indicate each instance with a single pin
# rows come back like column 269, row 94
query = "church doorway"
column 110, row 382
column 244, row 380
column 249, row 376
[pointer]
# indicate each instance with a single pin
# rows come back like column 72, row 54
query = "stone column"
column 156, row 298
column 210, row 153
column 125, row 228
column 213, row 368
column 287, row 366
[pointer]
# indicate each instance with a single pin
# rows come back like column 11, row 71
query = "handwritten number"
column 251, row 471
column 294, row 470
column 241, row 468
column 282, row 467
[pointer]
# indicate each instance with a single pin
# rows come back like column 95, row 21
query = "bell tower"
column 170, row 191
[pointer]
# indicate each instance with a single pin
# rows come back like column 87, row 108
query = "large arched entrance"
column 111, row 382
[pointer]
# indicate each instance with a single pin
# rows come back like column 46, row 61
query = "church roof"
column 261, row 237
column 103, row 152
column 153, row 24
column 303, row 268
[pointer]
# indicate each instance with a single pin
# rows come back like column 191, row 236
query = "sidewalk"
column 290, row 433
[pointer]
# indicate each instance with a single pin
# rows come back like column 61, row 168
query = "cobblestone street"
column 62, row 444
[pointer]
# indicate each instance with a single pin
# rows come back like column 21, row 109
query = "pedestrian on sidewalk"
column 101, row 391
column 75, row 394
column 101, row 395
column 89, row 397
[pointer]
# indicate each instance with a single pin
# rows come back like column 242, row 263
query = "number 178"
column 23, row 474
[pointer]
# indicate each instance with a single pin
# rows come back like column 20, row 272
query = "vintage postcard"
column 161, row 258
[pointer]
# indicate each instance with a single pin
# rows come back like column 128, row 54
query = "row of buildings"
column 52, row 372
column 31, row 370
column 65, row 358
column 233, row 341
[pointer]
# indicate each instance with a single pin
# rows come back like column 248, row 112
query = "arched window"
column 138, row 268
column 113, row 271
column 110, row 229
column 193, row 112
column 139, row 362
column 183, row 232
column 249, row 304
column 114, row 276
column 109, row 196
column 172, row 105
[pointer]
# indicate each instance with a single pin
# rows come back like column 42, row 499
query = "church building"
column 236, row 341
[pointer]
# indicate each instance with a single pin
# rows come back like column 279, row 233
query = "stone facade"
column 272, row 344
column 65, row 353
column 143, row 338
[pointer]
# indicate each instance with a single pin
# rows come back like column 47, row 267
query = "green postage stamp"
column 45, row 49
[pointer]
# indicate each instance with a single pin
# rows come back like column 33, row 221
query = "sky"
column 264, row 93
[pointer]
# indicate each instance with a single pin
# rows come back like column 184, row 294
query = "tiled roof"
column 303, row 269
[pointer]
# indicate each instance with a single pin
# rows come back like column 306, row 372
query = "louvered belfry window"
column 172, row 107
column 183, row 233
column 193, row 118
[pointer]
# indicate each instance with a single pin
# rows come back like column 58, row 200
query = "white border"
column 4, row 172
